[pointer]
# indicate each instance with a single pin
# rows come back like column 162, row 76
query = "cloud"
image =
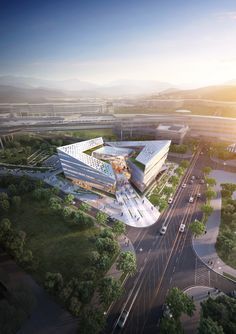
column 226, row 16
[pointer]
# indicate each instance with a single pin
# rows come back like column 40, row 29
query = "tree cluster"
column 218, row 316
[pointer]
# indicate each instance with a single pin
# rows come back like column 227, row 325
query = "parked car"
column 191, row 199
column 167, row 312
column 184, row 185
column 170, row 200
column 202, row 181
column 232, row 294
column 182, row 227
column 163, row 230
column 198, row 195
column 122, row 320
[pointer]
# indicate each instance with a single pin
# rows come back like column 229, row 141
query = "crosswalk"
column 202, row 274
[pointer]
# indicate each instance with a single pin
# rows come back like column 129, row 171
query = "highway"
column 165, row 261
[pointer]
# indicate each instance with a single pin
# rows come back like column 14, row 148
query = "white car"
column 184, row 185
column 191, row 199
column 198, row 195
column 170, row 200
column 193, row 177
column 123, row 318
column 182, row 227
column 163, row 230
column 166, row 312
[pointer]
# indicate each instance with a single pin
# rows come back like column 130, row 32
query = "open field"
column 56, row 246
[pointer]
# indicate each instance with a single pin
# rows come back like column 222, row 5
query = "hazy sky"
column 178, row 41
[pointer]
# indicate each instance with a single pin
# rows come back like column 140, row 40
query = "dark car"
column 123, row 317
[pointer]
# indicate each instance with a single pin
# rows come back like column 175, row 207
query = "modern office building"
column 174, row 132
column 146, row 161
column 83, row 169
column 232, row 148
column 93, row 164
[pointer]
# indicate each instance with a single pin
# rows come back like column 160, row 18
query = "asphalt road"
column 165, row 261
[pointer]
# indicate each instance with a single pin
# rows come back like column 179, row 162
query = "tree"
column 5, row 228
column 75, row 306
column 103, row 262
column 4, row 205
column 208, row 326
column 66, row 212
column 37, row 194
column 15, row 243
column 16, row 201
column 85, row 291
column 107, row 245
column 221, row 310
column 78, row 218
column 12, row 189
column 101, row 217
column 225, row 243
column 3, row 196
column 53, row 282
column 210, row 181
column 170, row 325
column 106, row 233
column 179, row 171
column 54, row 204
column 184, row 164
column 174, row 180
column 84, row 207
column 168, row 191
column 210, row 194
column 27, row 257
column 207, row 209
column 91, row 321
column 179, row 303
column 118, row 228
column 55, row 191
column 197, row 228
column 206, row 170
column 127, row 263
column 69, row 199
column 109, row 290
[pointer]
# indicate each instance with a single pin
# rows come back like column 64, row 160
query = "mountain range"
column 29, row 89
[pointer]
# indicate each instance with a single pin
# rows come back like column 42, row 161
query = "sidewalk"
column 198, row 294
column 125, row 246
column 204, row 246
column 231, row 163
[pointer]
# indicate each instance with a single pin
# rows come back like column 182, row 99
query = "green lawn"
column 56, row 246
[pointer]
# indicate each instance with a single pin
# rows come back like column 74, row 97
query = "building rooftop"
column 172, row 127
column 149, row 148
column 113, row 151
column 76, row 151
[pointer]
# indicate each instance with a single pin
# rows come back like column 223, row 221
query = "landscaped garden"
column 66, row 249
column 167, row 185
column 28, row 149
column 226, row 241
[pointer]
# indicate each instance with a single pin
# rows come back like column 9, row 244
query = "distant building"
column 175, row 132
column 95, row 164
column 232, row 148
